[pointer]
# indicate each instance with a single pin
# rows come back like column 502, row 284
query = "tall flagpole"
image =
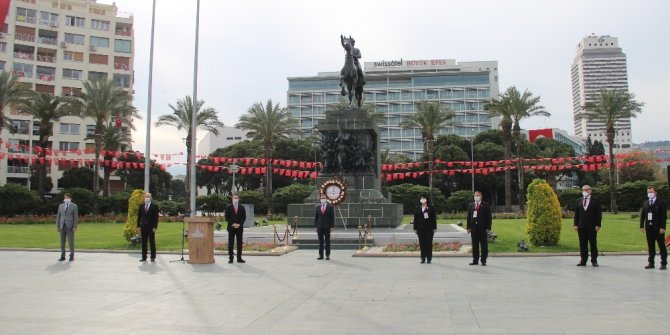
column 147, row 150
column 194, row 111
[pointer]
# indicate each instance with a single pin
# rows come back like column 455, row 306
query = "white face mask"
column 236, row 201
column 66, row 200
column 324, row 201
column 585, row 194
column 651, row 195
column 423, row 201
column 478, row 198
column 147, row 200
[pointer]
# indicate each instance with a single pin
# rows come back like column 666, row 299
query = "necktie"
column 235, row 207
column 477, row 206
column 586, row 202
column 323, row 209
column 146, row 209
column 66, row 207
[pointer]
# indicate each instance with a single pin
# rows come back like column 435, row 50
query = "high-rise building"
column 227, row 136
column 599, row 64
column 396, row 88
column 53, row 46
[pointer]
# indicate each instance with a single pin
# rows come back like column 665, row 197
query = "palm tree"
column 46, row 109
column 429, row 117
column 11, row 93
column 111, row 140
column 267, row 124
column 103, row 102
column 522, row 106
column 500, row 108
column 181, row 118
column 609, row 107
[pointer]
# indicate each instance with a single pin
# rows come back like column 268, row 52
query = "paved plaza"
column 113, row 293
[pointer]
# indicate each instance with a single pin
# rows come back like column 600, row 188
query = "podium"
column 200, row 239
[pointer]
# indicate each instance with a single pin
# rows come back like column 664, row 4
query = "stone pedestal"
column 351, row 152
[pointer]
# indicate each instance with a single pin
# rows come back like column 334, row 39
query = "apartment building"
column 53, row 46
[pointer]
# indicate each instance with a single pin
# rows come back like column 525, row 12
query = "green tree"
column 291, row 194
column 268, row 125
column 550, row 148
column 113, row 138
column 500, row 107
column 637, row 166
column 182, row 118
column 46, row 109
column 544, row 214
column 160, row 185
column 79, row 177
column 103, row 102
column 522, row 106
column 12, row 93
column 409, row 194
column 609, row 107
column 430, row 117
column 17, row 199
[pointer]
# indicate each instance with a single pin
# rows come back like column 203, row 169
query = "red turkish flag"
column 4, row 10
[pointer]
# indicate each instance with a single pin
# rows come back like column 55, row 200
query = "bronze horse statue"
column 349, row 76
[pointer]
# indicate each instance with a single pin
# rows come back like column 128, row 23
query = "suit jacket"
column 324, row 220
column 590, row 217
column 148, row 219
column 67, row 218
column 659, row 215
column 483, row 220
column 423, row 224
column 232, row 217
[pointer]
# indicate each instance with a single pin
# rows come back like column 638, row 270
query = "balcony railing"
column 49, row 23
column 18, row 169
column 46, row 58
column 124, row 32
column 121, row 66
column 25, row 37
column 23, row 55
column 47, row 40
column 46, row 77
column 23, row 74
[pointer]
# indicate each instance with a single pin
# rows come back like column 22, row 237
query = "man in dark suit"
column 235, row 216
column 479, row 227
column 324, row 221
column 587, row 223
column 652, row 222
column 147, row 221
column 66, row 224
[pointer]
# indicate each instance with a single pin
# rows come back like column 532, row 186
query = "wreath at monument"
column 335, row 190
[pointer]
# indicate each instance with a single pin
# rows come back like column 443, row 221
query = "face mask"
column 67, row 201
column 324, row 201
column 651, row 195
column 147, row 200
column 236, row 201
column 585, row 194
column 422, row 201
column 478, row 198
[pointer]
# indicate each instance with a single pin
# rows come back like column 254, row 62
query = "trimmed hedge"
column 629, row 195
column 409, row 194
column 544, row 214
column 130, row 228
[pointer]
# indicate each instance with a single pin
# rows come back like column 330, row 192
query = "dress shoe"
column 71, row 258
column 423, row 261
column 649, row 267
column 230, row 261
column 473, row 263
column 241, row 261
column 483, row 263
column 143, row 259
column 320, row 258
column 327, row 258
column 595, row 264
column 62, row 258
column 428, row 261
column 663, row 267
column 153, row 259
column 581, row 264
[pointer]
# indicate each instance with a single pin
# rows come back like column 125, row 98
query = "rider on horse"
column 357, row 55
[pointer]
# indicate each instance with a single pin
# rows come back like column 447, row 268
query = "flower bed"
column 262, row 247
column 437, row 247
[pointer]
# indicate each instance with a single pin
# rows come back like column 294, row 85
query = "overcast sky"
column 248, row 49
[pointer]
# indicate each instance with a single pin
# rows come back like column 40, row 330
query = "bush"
column 256, row 198
column 115, row 203
column 214, row 202
column 568, row 198
column 544, row 214
column 17, row 199
column 458, row 201
column 130, row 228
column 80, row 196
column 172, row 208
column 409, row 194
column 631, row 195
column 292, row 194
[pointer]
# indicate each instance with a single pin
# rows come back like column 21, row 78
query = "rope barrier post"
column 295, row 222
column 370, row 226
column 360, row 237
column 274, row 236
column 287, row 234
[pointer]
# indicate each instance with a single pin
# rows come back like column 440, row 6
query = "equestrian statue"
column 351, row 76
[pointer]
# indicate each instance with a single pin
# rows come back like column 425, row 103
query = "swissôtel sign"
column 409, row 63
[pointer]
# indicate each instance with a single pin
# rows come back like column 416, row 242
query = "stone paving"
column 113, row 293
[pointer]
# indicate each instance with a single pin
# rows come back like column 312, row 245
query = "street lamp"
column 233, row 168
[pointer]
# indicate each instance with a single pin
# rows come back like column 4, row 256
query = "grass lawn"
column 620, row 233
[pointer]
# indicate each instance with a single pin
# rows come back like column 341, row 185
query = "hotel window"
column 72, row 56
column 122, row 46
column 90, row 129
column 72, row 74
column 69, row 128
column 3, row 47
column 20, row 127
column 74, row 21
column 122, row 80
column 99, row 42
column 26, row 15
column 49, row 19
column 67, row 146
column 74, row 38
column 93, row 76
column 23, row 70
column 100, row 25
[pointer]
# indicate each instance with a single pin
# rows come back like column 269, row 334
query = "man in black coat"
column 587, row 223
column 147, row 221
column 324, row 221
column 479, row 227
column 652, row 221
column 425, row 226
column 235, row 216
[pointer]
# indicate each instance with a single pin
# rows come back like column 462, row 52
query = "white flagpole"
column 194, row 111
column 147, row 150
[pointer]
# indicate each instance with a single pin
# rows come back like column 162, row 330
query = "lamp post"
column 233, row 168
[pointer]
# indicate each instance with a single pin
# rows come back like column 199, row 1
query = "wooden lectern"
column 200, row 239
